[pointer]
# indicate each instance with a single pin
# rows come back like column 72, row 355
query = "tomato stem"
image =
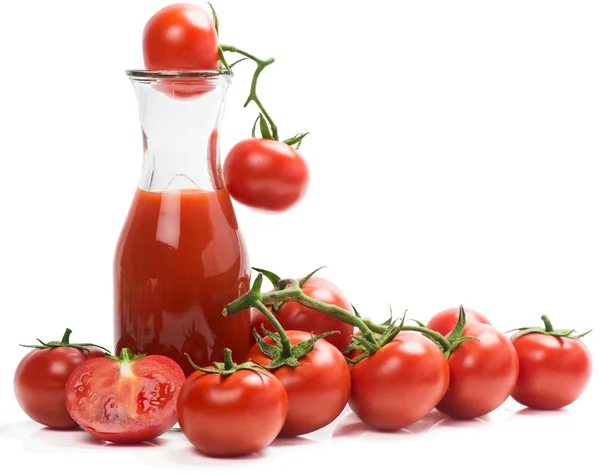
column 65, row 338
column 261, row 64
column 547, row 324
column 228, row 360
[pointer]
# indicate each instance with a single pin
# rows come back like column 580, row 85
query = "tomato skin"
column 444, row 322
column 294, row 316
column 482, row 373
column 180, row 37
column 40, row 380
column 265, row 174
column 317, row 391
column 400, row 384
column 553, row 371
column 231, row 415
column 125, row 404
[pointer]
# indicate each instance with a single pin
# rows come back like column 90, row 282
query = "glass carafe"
column 180, row 257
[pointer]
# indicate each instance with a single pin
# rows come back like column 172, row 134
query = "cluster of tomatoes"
column 293, row 382
column 264, row 173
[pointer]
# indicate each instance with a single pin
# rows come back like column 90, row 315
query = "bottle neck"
column 180, row 129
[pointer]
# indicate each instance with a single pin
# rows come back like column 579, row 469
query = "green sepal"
column 65, row 343
column 549, row 330
column 273, row 278
column 459, row 328
column 457, row 343
column 254, row 127
column 228, row 367
column 267, row 349
column 299, row 350
column 126, row 356
column 296, row 140
column 215, row 17
column 265, row 131
column 366, row 345
column 307, row 277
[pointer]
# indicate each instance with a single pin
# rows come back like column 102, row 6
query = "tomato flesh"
column 125, row 402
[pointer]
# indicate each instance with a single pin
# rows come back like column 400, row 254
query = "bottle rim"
column 173, row 74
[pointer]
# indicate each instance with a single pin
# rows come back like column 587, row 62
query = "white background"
column 453, row 148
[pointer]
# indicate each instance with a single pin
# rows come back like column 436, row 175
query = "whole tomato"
column 234, row 411
column 317, row 390
column 265, row 174
column 125, row 399
column 554, row 367
column 42, row 375
column 294, row 316
column 483, row 373
column 399, row 384
column 444, row 321
column 181, row 37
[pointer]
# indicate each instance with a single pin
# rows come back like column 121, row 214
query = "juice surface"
column 179, row 260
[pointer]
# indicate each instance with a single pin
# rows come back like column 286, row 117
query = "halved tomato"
column 125, row 399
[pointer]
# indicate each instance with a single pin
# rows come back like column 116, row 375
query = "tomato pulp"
column 179, row 260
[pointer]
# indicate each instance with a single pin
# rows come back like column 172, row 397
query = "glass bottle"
column 180, row 257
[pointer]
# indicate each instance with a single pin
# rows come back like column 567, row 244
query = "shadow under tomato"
column 528, row 412
column 352, row 426
column 252, row 456
column 447, row 421
column 292, row 442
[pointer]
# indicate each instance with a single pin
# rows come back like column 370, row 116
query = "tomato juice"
column 179, row 260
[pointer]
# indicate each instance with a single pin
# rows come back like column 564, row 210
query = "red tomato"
column 40, row 381
column 294, row 316
column 400, row 384
column 181, row 37
column 126, row 401
column 317, row 390
column 553, row 371
column 445, row 321
column 231, row 415
column 266, row 174
column 483, row 373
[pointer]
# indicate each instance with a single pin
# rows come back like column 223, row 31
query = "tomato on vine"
column 294, row 316
column 230, row 410
column 313, row 372
column 266, row 174
column 42, row 375
column 181, row 37
column 400, row 383
column 555, row 366
column 484, row 367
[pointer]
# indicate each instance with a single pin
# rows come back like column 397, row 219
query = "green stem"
column 327, row 309
column 285, row 339
column 66, row 336
column 261, row 64
column 366, row 327
column 228, row 360
column 547, row 324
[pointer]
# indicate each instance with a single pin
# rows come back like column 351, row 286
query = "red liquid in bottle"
column 179, row 261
